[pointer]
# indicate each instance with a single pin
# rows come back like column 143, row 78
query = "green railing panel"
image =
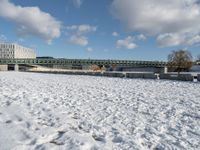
column 83, row 62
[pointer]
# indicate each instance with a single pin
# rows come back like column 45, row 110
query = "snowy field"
column 58, row 112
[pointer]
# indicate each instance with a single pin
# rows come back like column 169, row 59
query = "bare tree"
column 180, row 60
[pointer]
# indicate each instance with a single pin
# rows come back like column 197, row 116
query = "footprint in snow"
column 117, row 139
column 8, row 121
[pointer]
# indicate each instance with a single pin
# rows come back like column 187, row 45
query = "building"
column 13, row 51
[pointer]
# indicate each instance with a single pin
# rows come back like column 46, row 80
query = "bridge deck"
column 83, row 62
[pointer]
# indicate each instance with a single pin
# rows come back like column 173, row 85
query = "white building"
column 12, row 51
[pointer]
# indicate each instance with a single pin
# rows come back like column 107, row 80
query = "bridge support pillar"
column 3, row 67
column 165, row 69
column 16, row 67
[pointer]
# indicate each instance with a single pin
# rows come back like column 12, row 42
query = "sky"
column 102, row 29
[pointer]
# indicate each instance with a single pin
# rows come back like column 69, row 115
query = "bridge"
column 81, row 63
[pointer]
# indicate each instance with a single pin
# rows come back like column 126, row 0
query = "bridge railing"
column 83, row 62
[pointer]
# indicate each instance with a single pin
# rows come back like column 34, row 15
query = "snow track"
column 58, row 112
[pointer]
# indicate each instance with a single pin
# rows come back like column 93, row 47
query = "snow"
column 58, row 112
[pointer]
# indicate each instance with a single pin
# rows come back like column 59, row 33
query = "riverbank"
column 48, row 111
column 143, row 75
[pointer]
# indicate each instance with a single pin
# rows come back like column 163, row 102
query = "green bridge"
column 53, row 61
column 83, row 64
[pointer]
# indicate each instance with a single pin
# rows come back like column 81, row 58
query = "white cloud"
column 79, row 32
column 3, row 38
column 141, row 37
column 82, row 29
column 89, row 49
column 77, row 3
column 169, row 40
column 79, row 40
column 31, row 21
column 193, row 40
column 73, row 27
column 115, row 34
column 126, row 43
column 160, row 17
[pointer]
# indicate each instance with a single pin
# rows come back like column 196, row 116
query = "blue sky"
column 102, row 29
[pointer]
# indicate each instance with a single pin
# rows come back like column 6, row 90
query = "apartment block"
column 14, row 51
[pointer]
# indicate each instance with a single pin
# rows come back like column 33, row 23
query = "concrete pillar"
column 3, row 67
column 16, row 67
column 165, row 69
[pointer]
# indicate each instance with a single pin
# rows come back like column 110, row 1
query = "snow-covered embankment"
column 41, row 111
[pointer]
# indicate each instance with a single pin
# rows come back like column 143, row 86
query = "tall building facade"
column 13, row 51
